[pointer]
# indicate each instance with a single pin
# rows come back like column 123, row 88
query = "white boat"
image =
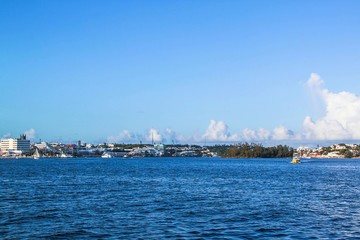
column 64, row 155
column 106, row 155
column 36, row 154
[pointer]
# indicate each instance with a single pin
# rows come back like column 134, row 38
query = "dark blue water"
column 179, row 198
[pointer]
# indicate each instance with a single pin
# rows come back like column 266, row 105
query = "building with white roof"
column 15, row 144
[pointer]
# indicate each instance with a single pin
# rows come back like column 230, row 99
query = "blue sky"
column 179, row 70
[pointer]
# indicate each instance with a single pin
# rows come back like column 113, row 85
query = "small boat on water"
column 106, row 155
column 64, row 155
column 296, row 158
column 36, row 155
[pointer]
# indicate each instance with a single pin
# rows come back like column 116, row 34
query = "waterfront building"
column 15, row 144
column 160, row 147
column 41, row 145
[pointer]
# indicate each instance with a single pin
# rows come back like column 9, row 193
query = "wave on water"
column 179, row 198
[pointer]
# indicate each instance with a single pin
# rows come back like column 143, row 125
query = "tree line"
column 253, row 150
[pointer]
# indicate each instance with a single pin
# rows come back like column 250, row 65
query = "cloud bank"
column 123, row 137
column 30, row 134
column 342, row 114
column 216, row 132
column 219, row 131
column 340, row 121
column 153, row 135
column 6, row 135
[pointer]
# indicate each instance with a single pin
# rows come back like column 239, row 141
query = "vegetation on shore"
column 253, row 150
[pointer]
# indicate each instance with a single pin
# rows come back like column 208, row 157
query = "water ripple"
column 179, row 199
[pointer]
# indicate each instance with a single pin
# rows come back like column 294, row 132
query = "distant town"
column 22, row 148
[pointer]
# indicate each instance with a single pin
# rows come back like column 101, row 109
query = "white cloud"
column 170, row 134
column 282, row 133
column 263, row 134
column 30, row 134
column 153, row 135
column 315, row 82
column 124, row 136
column 173, row 137
column 278, row 133
column 341, row 119
column 249, row 134
column 6, row 135
column 255, row 135
column 218, row 131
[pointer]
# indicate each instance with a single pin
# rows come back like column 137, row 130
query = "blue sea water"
column 179, row 198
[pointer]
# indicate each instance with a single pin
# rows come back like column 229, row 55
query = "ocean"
column 179, row 198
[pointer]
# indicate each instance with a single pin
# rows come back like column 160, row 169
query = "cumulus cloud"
column 341, row 119
column 218, row 131
column 166, row 136
column 315, row 82
column 281, row 133
column 153, row 135
column 124, row 136
column 249, row 134
column 171, row 136
column 257, row 135
column 278, row 133
column 30, row 134
column 263, row 134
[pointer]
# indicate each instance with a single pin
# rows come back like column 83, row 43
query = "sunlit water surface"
column 179, row 198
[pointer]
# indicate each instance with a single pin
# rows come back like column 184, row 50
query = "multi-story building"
column 15, row 144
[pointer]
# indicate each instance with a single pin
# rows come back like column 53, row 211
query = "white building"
column 41, row 145
column 15, row 144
